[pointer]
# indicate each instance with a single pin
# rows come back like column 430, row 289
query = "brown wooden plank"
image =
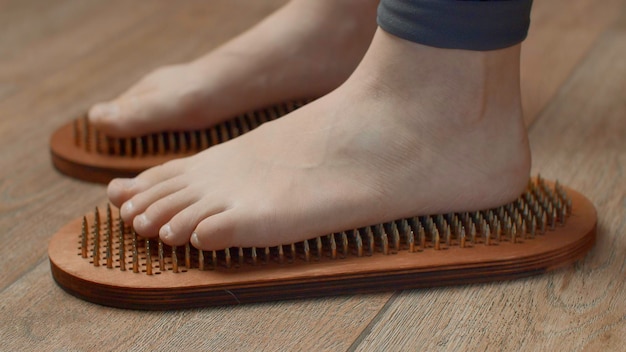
column 31, row 189
column 60, row 33
column 37, row 315
column 560, row 35
column 584, row 310
column 580, row 139
column 35, row 201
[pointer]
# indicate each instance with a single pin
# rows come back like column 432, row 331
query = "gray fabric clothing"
column 457, row 24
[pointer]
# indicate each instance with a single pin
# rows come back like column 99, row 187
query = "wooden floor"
column 58, row 57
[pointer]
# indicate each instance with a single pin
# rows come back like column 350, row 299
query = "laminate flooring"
column 59, row 57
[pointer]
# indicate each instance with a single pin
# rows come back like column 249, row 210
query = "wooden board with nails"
column 107, row 263
column 78, row 150
column 59, row 57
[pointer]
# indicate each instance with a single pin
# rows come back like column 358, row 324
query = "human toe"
column 120, row 190
column 179, row 229
column 103, row 113
column 152, row 197
column 127, row 116
column 215, row 232
column 158, row 214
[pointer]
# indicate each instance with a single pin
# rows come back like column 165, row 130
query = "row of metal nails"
column 92, row 140
column 539, row 208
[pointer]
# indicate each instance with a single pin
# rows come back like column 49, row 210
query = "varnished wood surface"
column 144, row 274
column 58, row 57
column 79, row 151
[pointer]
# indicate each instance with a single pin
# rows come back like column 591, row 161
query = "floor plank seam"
column 375, row 320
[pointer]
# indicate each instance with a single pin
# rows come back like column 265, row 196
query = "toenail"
column 127, row 207
column 165, row 232
column 141, row 221
column 101, row 111
column 126, row 183
column 194, row 240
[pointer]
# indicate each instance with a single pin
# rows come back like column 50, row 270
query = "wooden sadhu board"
column 98, row 258
column 79, row 150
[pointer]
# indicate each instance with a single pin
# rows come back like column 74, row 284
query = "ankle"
column 460, row 87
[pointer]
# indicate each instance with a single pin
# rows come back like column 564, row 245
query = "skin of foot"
column 302, row 51
column 415, row 130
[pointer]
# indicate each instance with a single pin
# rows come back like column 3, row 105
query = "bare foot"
column 415, row 130
column 304, row 50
